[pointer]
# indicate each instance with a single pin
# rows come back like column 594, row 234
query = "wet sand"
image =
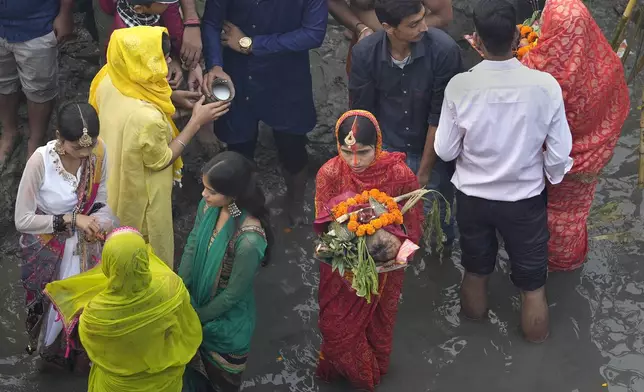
column 597, row 312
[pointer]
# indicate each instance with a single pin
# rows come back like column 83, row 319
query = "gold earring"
column 58, row 147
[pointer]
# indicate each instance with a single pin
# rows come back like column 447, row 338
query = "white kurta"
column 48, row 187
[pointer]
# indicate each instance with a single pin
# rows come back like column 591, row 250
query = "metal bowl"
column 221, row 90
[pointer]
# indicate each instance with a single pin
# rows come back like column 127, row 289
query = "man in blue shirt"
column 30, row 31
column 263, row 49
column 399, row 74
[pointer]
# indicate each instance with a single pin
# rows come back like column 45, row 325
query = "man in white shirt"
column 506, row 127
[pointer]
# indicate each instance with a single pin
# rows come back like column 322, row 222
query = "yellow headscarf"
column 137, row 324
column 137, row 67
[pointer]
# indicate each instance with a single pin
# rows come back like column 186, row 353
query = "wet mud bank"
column 597, row 312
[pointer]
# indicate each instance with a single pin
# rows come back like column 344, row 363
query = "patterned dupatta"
column 42, row 253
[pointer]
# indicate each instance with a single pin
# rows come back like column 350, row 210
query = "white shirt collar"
column 499, row 65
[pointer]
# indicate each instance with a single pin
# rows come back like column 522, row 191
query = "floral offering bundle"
column 529, row 32
column 364, row 234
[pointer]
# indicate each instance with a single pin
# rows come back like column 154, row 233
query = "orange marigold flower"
column 353, row 217
column 525, row 30
column 351, row 202
column 382, row 199
column 353, row 226
column 361, row 231
column 370, row 230
column 376, row 223
column 365, row 195
column 399, row 220
column 374, row 193
column 522, row 51
column 532, row 37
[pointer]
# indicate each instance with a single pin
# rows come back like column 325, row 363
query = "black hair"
column 495, row 22
column 165, row 44
column 232, row 175
column 72, row 117
column 366, row 134
column 393, row 12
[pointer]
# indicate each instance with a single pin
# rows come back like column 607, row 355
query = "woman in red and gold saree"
column 573, row 49
column 356, row 335
column 61, row 211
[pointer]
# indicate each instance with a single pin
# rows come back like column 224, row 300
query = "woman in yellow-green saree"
column 137, row 324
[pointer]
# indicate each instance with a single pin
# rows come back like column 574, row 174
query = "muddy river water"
column 597, row 312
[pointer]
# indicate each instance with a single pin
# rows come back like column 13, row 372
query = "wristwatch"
column 246, row 43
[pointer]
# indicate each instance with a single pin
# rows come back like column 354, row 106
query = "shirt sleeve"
column 249, row 252
column 153, row 139
column 362, row 87
column 557, row 160
column 448, row 143
column 108, row 6
column 27, row 221
column 309, row 36
column 449, row 63
column 171, row 19
column 211, row 24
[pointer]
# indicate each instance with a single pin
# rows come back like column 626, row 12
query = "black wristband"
column 74, row 222
column 193, row 24
column 58, row 223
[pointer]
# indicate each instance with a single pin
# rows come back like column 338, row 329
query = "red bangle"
column 192, row 22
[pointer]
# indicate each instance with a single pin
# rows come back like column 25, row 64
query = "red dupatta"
column 573, row 49
column 388, row 173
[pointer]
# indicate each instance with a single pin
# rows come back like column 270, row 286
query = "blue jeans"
column 440, row 181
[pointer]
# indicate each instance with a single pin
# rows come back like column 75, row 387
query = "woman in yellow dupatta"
column 137, row 324
column 134, row 102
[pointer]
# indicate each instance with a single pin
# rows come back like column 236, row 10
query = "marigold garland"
column 529, row 38
column 392, row 216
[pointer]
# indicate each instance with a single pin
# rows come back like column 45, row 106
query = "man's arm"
column 309, row 36
column 191, row 45
column 189, row 9
column 448, row 142
column 449, row 64
column 557, row 161
column 440, row 14
column 362, row 87
column 340, row 10
column 213, row 20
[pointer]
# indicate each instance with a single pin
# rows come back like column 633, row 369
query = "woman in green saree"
column 230, row 239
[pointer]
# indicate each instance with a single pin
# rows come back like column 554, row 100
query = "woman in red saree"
column 573, row 49
column 356, row 335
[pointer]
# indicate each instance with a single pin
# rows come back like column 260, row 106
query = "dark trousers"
column 523, row 225
column 291, row 149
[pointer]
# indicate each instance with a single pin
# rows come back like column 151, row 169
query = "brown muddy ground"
column 597, row 312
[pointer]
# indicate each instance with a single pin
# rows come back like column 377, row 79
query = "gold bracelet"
column 180, row 142
column 362, row 31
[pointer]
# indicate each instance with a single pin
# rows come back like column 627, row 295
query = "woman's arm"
column 249, row 253
column 27, row 221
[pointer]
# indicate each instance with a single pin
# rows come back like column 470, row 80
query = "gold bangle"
column 180, row 142
column 362, row 31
